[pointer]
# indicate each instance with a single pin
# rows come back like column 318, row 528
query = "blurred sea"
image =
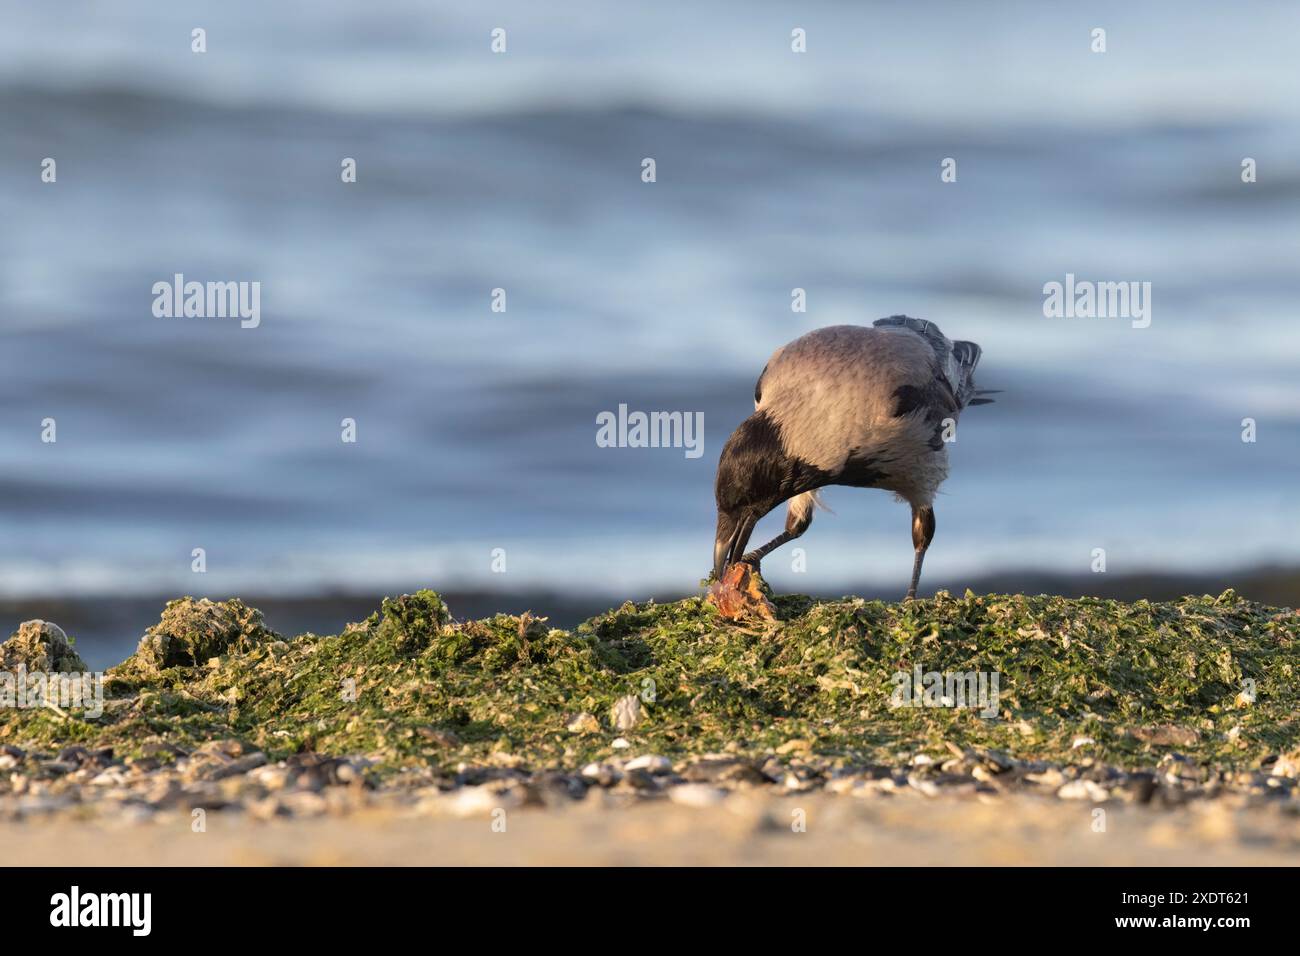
column 476, row 430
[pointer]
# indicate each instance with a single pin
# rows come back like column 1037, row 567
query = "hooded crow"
column 845, row 405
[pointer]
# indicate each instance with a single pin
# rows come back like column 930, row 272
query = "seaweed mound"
column 192, row 632
column 406, row 625
column 1210, row 680
column 40, row 646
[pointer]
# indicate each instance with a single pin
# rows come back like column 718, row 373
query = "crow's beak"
column 729, row 545
column 724, row 543
column 721, row 550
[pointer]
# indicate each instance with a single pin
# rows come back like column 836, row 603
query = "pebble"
column 602, row 774
column 230, row 777
column 1050, row 777
column 271, row 777
column 1083, row 790
column 652, row 763
column 1177, row 768
column 844, row 783
column 998, row 761
column 552, row 787
column 479, row 801
column 627, row 712
column 699, row 795
column 922, row 785
column 233, row 768
column 1287, row 765
column 794, row 783
column 583, row 723
column 639, row 780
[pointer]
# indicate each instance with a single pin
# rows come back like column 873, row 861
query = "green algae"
column 40, row 646
column 1212, row 678
column 192, row 632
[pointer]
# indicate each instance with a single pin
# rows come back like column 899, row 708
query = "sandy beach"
column 1113, row 734
column 743, row 830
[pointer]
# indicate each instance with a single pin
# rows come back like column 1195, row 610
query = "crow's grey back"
column 870, row 394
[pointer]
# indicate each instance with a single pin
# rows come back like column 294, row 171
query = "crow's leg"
column 797, row 519
column 922, row 535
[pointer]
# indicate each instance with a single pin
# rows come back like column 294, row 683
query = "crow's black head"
column 754, row 476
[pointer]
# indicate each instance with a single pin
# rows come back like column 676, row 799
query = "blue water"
column 476, row 429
